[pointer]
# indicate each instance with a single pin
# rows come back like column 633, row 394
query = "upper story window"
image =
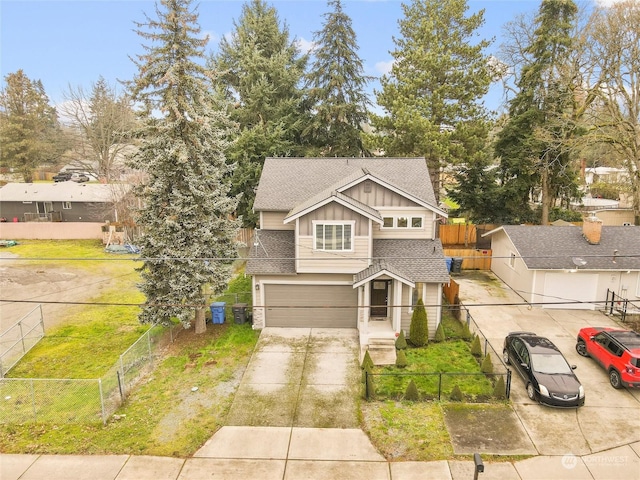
column 66, row 205
column 402, row 222
column 334, row 236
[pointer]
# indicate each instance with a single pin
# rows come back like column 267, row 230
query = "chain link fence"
column 20, row 338
column 82, row 400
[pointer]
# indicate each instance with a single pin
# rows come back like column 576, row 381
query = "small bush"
column 499, row 389
column 476, row 347
column 401, row 359
column 439, row 334
column 366, row 361
column 411, row 393
column 466, row 333
column 456, row 394
column 401, row 342
column 419, row 328
column 487, row 365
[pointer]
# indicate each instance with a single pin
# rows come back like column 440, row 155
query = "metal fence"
column 81, row 400
column 620, row 305
column 20, row 338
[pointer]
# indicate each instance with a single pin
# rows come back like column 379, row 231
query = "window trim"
column 350, row 223
column 512, row 260
column 413, row 289
column 409, row 217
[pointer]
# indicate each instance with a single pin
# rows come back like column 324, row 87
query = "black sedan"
column 549, row 378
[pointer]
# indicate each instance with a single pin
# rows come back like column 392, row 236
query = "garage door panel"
column 311, row 306
column 574, row 287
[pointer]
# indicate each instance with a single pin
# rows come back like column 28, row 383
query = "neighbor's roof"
column 63, row 192
column 552, row 247
column 287, row 182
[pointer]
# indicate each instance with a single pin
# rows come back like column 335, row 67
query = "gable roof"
column 554, row 247
column 323, row 199
column 63, row 192
column 418, row 260
column 287, row 182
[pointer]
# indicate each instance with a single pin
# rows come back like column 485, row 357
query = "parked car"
column 62, row 176
column 79, row 177
column 548, row 377
column 616, row 350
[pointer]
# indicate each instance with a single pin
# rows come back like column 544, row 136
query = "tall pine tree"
column 189, row 237
column 261, row 69
column 532, row 146
column 439, row 75
column 336, row 84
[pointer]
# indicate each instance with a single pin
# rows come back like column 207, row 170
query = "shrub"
column 487, row 365
column 455, row 308
column 456, row 394
column 411, row 393
column 366, row 360
column 466, row 333
column 401, row 342
column 401, row 359
column 499, row 389
column 419, row 329
column 439, row 333
column 476, row 347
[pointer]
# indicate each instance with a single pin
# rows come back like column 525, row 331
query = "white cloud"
column 384, row 67
column 305, row 46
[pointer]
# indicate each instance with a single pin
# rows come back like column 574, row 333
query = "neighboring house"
column 606, row 175
column 549, row 265
column 346, row 242
column 60, row 202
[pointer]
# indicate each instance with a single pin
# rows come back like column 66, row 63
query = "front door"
column 379, row 296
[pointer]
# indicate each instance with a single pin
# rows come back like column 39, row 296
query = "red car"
column 618, row 351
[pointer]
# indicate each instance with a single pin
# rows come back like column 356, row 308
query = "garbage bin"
column 217, row 312
column 449, row 261
column 456, row 265
column 239, row 313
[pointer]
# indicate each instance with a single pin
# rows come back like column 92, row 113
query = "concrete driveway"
column 300, row 377
column 609, row 418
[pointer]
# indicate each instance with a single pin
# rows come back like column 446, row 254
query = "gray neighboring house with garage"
column 348, row 243
column 551, row 265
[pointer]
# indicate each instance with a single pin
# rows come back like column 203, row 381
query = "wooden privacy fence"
column 465, row 234
column 450, row 291
column 472, row 259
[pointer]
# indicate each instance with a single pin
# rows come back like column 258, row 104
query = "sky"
column 73, row 42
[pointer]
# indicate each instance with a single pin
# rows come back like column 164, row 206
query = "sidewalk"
column 282, row 453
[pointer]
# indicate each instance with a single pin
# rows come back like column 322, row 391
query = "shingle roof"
column 62, row 192
column 287, row 182
column 376, row 268
column 419, row 260
column 553, row 247
column 274, row 253
column 326, row 195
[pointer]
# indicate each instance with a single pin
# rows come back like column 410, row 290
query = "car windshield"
column 549, row 363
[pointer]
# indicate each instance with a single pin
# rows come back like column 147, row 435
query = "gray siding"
column 379, row 196
column 334, row 212
column 79, row 211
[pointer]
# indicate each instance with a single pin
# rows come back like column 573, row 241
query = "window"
column 416, row 294
column 402, row 222
column 66, row 205
column 512, row 260
column 333, row 236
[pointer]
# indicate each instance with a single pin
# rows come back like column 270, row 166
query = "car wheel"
column 505, row 357
column 581, row 348
column 531, row 392
column 614, row 379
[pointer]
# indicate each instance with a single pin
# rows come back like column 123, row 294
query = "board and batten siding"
column 338, row 261
column 275, row 221
column 378, row 196
column 333, row 212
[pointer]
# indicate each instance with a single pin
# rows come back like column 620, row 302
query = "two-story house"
column 346, row 242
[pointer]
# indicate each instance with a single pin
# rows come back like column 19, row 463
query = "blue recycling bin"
column 217, row 312
column 449, row 263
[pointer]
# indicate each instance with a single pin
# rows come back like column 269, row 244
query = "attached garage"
column 318, row 306
column 576, row 287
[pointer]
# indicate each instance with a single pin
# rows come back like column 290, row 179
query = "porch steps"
column 382, row 350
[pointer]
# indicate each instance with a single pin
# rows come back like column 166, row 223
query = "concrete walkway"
column 272, row 453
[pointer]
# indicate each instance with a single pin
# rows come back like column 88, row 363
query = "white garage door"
column 576, row 287
column 333, row 306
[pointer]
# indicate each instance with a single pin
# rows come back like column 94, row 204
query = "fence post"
column 22, row 337
column 149, row 343
column 508, row 385
column 120, row 386
column 41, row 318
column 121, row 376
column 486, row 344
column 468, row 318
column 366, row 384
column 104, row 415
column 439, row 385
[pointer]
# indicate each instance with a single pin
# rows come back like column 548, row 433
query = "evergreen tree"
column 401, row 341
column 487, row 365
column 261, row 70
column 532, row 144
column 401, row 359
column 476, row 347
column 439, row 337
column 29, row 130
column 433, row 92
column 336, row 84
column 419, row 328
column 411, row 394
column 189, row 237
column 499, row 389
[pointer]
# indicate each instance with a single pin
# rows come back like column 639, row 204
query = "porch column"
column 366, row 305
column 397, row 306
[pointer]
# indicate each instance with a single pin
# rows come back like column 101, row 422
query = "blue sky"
column 73, row 42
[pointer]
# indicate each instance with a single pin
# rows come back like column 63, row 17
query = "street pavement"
column 600, row 441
